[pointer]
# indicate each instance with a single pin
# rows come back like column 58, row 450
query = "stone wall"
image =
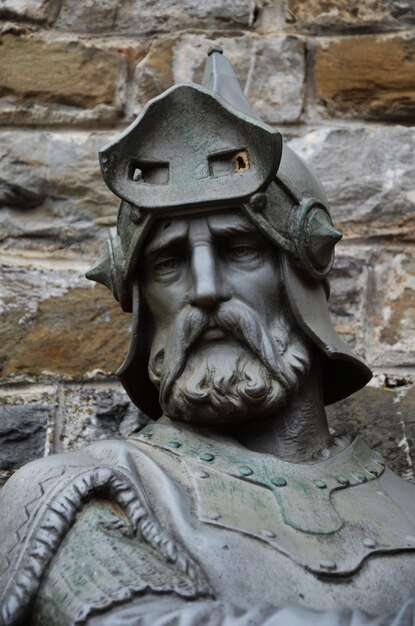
column 336, row 76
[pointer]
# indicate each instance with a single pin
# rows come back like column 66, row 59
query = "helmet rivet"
column 258, row 202
column 135, row 215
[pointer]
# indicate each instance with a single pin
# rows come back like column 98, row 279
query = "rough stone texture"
column 277, row 97
column 36, row 10
column 58, row 324
column 368, row 175
column 138, row 17
column 370, row 76
column 348, row 296
column 384, row 416
column 22, row 434
column 391, row 341
column 326, row 15
column 26, row 424
column 91, row 413
column 67, row 74
column 51, row 191
column 402, row 10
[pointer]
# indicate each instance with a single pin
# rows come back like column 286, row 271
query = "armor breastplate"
column 327, row 516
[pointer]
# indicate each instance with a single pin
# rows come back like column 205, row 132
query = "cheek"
column 261, row 288
column 163, row 305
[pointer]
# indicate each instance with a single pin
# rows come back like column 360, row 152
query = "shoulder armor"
column 41, row 503
column 328, row 516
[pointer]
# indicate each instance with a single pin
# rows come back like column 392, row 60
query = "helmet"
column 200, row 148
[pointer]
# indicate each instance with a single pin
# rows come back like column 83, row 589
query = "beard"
column 247, row 375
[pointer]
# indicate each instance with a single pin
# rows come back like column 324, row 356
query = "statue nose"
column 207, row 289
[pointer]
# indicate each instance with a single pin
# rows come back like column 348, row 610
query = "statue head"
column 224, row 347
column 223, row 245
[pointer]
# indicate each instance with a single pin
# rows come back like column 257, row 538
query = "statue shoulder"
column 41, row 502
column 29, row 486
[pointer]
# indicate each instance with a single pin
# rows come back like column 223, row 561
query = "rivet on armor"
column 258, row 202
column 279, row 481
column 369, row 542
column 320, row 484
column 269, row 534
column 213, row 515
column 343, row 480
column 173, row 444
column 245, row 470
column 203, row 474
column 360, row 477
column 329, row 566
column 206, row 456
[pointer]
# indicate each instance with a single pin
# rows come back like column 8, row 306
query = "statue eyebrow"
column 166, row 242
column 232, row 229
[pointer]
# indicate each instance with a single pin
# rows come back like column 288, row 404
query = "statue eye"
column 243, row 251
column 168, row 264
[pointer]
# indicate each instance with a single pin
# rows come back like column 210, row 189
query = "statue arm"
column 142, row 588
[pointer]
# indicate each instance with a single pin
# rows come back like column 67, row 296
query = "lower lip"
column 213, row 333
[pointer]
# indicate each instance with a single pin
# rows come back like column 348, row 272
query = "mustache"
column 233, row 317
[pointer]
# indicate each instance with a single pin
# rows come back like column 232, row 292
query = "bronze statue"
column 235, row 505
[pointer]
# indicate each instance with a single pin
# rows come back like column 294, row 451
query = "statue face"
column 224, row 346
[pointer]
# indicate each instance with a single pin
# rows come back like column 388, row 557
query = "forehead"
column 171, row 230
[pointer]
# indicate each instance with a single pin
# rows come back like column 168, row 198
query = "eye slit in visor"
column 228, row 162
column 149, row 172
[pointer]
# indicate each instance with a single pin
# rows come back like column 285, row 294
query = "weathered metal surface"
column 252, row 493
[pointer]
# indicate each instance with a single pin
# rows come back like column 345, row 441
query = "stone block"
column 140, row 17
column 384, row 416
column 328, row 16
column 368, row 175
column 22, row 434
column 68, row 76
column 51, row 192
column 32, row 10
column 348, row 296
column 56, row 324
column 277, row 96
column 90, row 413
column 403, row 10
column 26, row 424
column 391, row 341
column 369, row 76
